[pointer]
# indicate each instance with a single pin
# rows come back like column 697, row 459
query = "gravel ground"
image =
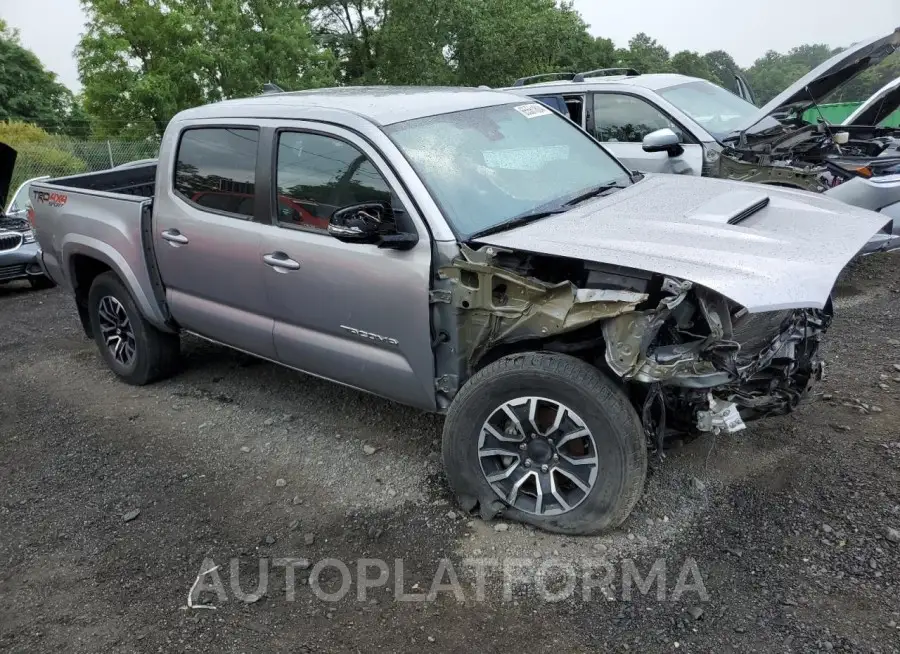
column 112, row 498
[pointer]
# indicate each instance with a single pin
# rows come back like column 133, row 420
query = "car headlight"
column 28, row 237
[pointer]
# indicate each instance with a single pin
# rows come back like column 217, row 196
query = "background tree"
column 646, row 55
column 351, row 30
column 497, row 42
column 28, row 92
column 693, row 64
column 464, row 42
column 143, row 61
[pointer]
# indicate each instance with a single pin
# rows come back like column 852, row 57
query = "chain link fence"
column 40, row 152
column 61, row 155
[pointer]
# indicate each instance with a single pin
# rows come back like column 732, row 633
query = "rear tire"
column 610, row 461
column 135, row 350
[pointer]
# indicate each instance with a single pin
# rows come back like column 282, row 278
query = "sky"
column 744, row 28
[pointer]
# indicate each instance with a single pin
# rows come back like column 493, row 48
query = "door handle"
column 281, row 262
column 174, row 237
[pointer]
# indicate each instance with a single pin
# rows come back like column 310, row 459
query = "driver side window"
column 317, row 175
column 626, row 119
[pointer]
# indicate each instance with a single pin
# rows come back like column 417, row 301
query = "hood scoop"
column 731, row 208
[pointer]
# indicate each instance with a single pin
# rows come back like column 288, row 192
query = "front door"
column 622, row 121
column 208, row 243
column 354, row 313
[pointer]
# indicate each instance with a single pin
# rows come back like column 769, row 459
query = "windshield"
column 487, row 166
column 22, row 199
column 720, row 112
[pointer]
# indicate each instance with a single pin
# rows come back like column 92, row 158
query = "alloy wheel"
column 116, row 329
column 538, row 455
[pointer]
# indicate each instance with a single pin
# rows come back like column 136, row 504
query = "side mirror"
column 370, row 222
column 358, row 223
column 663, row 140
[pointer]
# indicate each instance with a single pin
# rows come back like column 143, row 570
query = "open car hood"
column 765, row 247
column 882, row 104
column 815, row 86
column 7, row 163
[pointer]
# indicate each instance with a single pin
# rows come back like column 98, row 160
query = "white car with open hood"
column 685, row 125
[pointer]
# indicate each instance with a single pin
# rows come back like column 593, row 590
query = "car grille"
column 12, row 272
column 10, row 241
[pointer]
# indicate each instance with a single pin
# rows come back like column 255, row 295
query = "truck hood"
column 7, row 163
column 815, row 86
column 878, row 107
column 766, row 248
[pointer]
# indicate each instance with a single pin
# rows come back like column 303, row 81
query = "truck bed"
column 128, row 180
column 105, row 216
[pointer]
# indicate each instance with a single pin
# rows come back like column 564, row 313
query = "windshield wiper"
column 537, row 214
column 591, row 193
column 518, row 221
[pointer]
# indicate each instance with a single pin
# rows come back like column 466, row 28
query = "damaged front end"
column 690, row 358
column 715, row 363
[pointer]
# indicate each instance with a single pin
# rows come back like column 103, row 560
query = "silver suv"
column 676, row 124
column 466, row 252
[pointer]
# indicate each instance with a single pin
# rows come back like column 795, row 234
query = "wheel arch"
column 85, row 258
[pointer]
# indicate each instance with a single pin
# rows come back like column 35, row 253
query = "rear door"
column 207, row 237
column 350, row 312
column 621, row 121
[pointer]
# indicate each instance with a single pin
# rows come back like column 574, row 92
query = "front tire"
column 134, row 349
column 548, row 440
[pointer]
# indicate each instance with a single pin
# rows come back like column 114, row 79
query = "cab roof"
column 382, row 105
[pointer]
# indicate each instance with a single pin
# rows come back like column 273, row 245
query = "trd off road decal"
column 53, row 199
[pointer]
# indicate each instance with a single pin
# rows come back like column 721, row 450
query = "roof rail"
column 600, row 72
column 574, row 77
column 269, row 87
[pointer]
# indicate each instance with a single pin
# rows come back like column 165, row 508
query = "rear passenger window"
column 216, row 169
column 319, row 174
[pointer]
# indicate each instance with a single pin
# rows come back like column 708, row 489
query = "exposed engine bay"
column 689, row 358
column 811, row 157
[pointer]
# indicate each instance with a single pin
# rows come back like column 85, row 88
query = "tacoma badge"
column 370, row 336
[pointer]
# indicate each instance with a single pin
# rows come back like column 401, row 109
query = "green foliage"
column 461, row 42
column 143, row 61
column 646, row 55
column 869, row 81
column 28, row 92
column 38, row 150
column 499, row 41
column 693, row 64
column 773, row 72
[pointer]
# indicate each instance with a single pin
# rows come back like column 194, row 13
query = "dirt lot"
column 787, row 523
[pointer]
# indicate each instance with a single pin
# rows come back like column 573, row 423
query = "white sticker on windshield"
column 533, row 110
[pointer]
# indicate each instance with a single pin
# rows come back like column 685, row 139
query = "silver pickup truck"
column 467, row 252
